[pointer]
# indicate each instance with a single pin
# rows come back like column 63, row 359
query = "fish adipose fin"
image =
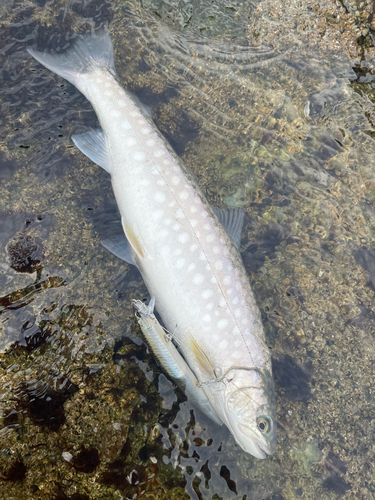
column 87, row 51
column 146, row 109
column 93, row 144
column 120, row 247
column 232, row 221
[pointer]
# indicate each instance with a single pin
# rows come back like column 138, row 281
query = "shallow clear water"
column 270, row 104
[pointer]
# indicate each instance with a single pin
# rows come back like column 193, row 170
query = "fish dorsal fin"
column 232, row 221
column 94, row 145
column 202, row 360
column 119, row 246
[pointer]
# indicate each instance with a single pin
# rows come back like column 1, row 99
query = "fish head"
column 248, row 409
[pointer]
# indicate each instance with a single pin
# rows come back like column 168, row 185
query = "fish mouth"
column 257, row 446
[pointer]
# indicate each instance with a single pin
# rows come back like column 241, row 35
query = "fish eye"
column 264, row 423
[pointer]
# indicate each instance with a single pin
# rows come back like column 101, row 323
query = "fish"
column 186, row 251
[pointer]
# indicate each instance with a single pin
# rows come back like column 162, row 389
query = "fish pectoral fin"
column 202, row 361
column 94, row 145
column 232, row 221
column 119, row 246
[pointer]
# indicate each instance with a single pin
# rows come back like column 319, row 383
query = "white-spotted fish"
column 186, row 251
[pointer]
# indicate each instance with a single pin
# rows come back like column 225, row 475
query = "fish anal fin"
column 94, row 145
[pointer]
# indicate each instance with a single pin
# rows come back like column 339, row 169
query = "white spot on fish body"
column 163, row 234
column 180, row 263
column 129, row 141
column 183, row 238
column 167, row 221
column 121, row 103
column 150, row 142
column 219, row 265
column 172, row 203
column 166, row 162
column 158, row 153
column 222, row 324
column 193, row 222
column 193, row 248
column 108, row 93
column 237, row 313
column 198, row 279
column 236, row 354
column 135, row 113
column 213, row 280
column 176, row 226
column 207, row 318
column 125, row 125
column 202, row 256
column 222, row 302
column 144, row 182
column 160, row 197
column 216, row 249
column 210, row 305
column 175, row 180
column 206, row 294
column 223, row 344
column 157, row 215
column 139, row 156
column 191, row 267
column 161, row 182
column 193, row 209
column 184, row 195
column 115, row 113
column 209, row 238
column 178, row 251
column 180, row 214
column 227, row 280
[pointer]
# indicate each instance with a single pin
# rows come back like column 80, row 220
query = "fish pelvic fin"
column 202, row 360
column 132, row 239
column 88, row 51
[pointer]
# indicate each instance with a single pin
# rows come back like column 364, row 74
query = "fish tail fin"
column 87, row 52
